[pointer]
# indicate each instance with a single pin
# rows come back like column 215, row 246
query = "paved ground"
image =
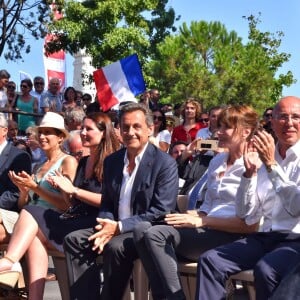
column 52, row 293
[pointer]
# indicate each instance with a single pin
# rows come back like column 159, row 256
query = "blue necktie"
column 197, row 189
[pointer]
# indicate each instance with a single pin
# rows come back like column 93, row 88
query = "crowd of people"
column 89, row 183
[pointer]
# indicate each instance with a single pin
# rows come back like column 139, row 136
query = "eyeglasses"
column 23, row 86
column 286, row 118
column 76, row 154
column 206, row 120
column 268, row 115
column 39, row 83
column 11, row 87
column 159, row 118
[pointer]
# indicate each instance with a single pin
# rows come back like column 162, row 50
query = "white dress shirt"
column 275, row 196
column 2, row 146
column 222, row 185
column 125, row 207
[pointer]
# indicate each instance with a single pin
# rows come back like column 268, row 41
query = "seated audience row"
column 137, row 191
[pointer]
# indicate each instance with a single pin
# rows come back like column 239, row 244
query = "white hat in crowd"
column 54, row 120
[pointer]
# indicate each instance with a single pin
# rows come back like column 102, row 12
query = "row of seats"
column 188, row 271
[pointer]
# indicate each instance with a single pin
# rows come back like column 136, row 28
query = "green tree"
column 20, row 19
column 208, row 62
column 111, row 29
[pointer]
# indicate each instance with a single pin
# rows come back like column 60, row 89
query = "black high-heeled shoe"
column 9, row 278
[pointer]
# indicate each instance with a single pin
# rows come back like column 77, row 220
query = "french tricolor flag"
column 119, row 81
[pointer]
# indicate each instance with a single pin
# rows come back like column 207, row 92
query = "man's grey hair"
column 76, row 114
column 72, row 135
column 3, row 121
column 132, row 106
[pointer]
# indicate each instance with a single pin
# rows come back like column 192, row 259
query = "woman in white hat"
column 36, row 189
column 47, row 227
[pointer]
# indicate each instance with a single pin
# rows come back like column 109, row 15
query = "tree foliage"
column 111, row 29
column 208, row 62
column 20, row 19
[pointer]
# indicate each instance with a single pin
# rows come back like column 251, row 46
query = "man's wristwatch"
column 271, row 167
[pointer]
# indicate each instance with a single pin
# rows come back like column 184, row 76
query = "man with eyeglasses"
column 272, row 192
column 12, row 132
column 4, row 78
column 73, row 145
column 39, row 89
column 51, row 100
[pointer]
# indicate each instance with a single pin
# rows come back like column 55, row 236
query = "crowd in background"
column 68, row 138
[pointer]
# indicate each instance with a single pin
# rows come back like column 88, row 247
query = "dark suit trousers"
column 289, row 287
column 83, row 271
column 158, row 247
column 270, row 254
column 118, row 257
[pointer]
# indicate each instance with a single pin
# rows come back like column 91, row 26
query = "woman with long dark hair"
column 161, row 136
column 39, row 229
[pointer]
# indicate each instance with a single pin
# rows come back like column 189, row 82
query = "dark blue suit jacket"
column 154, row 190
column 16, row 160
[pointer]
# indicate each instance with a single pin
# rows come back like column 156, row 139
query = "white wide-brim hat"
column 54, row 120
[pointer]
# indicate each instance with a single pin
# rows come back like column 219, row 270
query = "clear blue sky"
column 275, row 16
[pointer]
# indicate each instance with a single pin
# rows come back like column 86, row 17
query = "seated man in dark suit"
column 11, row 158
column 140, row 183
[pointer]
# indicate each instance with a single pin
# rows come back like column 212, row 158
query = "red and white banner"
column 55, row 63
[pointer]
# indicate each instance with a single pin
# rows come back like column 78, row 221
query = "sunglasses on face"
column 11, row 87
column 23, row 86
column 268, row 115
column 206, row 120
column 159, row 118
